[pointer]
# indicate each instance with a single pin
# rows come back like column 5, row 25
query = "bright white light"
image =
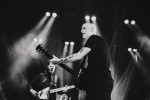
column 126, row 21
column 133, row 22
column 47, row 14
column 54, row 15
column 135, row 50
column 35, row 39
column 93, row 18
column 66, row 43
column 40, row 40
column 71, row 43
column 87, row 17
column 129, row 49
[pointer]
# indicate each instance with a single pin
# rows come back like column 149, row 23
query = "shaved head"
column 91, row 26
column 88, row 29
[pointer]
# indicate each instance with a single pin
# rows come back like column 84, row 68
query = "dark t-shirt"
column 97, row 78
column 98, row 57
column 40, row 82
column 98, row 62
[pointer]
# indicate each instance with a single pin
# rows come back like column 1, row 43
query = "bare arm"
column 74, row 57
column 77, row 56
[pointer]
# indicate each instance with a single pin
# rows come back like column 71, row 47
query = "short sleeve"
column 91, row 42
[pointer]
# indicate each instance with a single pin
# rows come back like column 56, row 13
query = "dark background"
column 17, row 17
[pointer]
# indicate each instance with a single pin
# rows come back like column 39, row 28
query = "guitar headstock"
column 42, row 50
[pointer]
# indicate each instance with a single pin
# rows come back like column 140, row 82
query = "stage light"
column 133, row 22
column 47, row 14
column 40, row 40
column 66, row 43
column 54, row 15
column 93, row 18
column 126, row 21
column 71, row 43
column 35, row 39
column 135, row 50
column 129, row 49
column 87, row 17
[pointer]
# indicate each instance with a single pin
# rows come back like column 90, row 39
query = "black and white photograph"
column 75, row 50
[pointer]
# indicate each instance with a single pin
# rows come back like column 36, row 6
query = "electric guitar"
column 80, row 76
column 40, row 48
column 43, row 94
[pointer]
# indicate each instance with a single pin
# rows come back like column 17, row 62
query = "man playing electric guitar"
column 42, row 83
column 97, row 78
column 43, row 88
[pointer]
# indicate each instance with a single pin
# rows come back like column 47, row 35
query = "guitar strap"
column 83, row 63
column 82, row 75
column 83, row 66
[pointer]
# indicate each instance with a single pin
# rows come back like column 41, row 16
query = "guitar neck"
column 64, row 66
column 61, row 89
column 68, row 69
column 40, row 49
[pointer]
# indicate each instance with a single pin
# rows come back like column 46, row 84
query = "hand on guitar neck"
column 55, row 60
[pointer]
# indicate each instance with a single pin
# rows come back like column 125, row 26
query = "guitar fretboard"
column 61, row 89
